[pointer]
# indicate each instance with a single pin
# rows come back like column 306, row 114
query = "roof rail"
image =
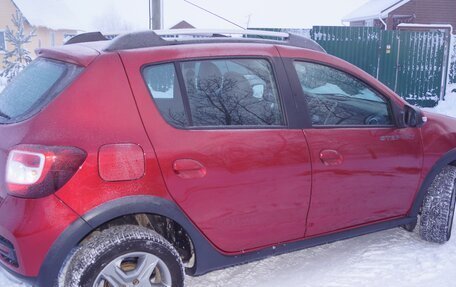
column 86, row 37
column 157, row 38
column 208, row 33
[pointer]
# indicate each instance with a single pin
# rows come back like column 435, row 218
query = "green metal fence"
column 413, row 64
column 356, row 45
column 420, row 69
column 452, row 76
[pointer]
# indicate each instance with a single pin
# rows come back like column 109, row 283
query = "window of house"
column 336, row 98
column 235, row 92
column 2, row 41
column 369, row 23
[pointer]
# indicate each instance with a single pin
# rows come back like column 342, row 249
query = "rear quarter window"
column 34, row 87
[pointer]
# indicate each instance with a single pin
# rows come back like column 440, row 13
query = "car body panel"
column 439, row 137
column 256, row 179
column 32, row 226
column 377, row 178
column 88, row 115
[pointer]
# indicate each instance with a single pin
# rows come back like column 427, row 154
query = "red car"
column 128, row 162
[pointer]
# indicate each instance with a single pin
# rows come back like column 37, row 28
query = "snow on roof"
column 374, row 9
column 52, row 14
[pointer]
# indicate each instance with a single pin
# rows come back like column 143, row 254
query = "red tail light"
column 34, row 171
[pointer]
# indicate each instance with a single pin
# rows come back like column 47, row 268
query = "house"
column 49, row 18
column 389, row 14
column 183, row 25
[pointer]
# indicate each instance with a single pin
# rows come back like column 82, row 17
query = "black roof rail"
column 157, row 38
column 86, row 37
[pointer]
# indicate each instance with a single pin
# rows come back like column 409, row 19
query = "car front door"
column 228, row 156
column 364, row 168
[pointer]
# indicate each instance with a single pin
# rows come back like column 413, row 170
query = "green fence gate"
column 414, row 64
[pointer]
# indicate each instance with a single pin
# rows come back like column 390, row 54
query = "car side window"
column 336, row 98
column 219, row 93
column 235, row 92
column 163, row 85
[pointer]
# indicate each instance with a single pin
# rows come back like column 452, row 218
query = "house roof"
column 374, row 9
column 50, row 14
column 183, row 25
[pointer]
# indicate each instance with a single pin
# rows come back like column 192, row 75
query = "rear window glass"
column 34, row 87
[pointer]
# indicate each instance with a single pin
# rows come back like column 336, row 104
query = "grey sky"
column 256, row 13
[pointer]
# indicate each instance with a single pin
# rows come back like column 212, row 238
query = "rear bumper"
column 28, row 229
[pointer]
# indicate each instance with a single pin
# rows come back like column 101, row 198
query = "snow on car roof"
column 51, row 14
column 374, row 9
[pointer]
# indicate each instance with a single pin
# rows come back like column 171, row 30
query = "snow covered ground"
column 394, row 258
column 447, row 107
column 389, row 258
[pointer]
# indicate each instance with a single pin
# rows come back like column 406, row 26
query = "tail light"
column 34, row 171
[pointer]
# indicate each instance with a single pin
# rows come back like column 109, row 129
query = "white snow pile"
column 448, row 106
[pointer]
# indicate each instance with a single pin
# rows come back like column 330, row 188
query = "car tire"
column 124, row 256
column 437, row 211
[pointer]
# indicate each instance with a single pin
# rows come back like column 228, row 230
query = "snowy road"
column 390, row 258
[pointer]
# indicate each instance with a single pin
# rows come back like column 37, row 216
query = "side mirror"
column 411, row 117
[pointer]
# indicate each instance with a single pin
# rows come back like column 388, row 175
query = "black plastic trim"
column 59, row 251
column 445, row 160
column 302, row 110
column 147, row 39
column 87, row 37
column 208, row 258
column 159, row 206
column 287, row 101
column 222, row 261
column 183, row 92
column 9, row 256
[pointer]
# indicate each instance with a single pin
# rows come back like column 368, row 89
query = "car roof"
column 84, row 48
column 159, row 38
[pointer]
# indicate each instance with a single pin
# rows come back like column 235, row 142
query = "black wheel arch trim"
column 106, row 212
column 59, row 251
column 207, row 257
column 445, row 160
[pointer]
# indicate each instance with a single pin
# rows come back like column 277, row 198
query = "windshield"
column 34, row 87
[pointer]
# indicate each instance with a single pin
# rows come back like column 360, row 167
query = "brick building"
column 391, row 13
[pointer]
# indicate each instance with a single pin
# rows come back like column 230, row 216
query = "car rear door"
column 364, row 168
column 222, row 130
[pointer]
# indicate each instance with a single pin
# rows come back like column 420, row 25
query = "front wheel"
column 129, row 256
column 438, row 207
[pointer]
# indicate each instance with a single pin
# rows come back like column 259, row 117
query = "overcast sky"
column 133, row 14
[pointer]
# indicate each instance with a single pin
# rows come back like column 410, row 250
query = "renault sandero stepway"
column 132, row 161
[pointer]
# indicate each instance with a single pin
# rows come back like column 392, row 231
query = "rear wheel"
column 438, row 207
column 127, row 256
